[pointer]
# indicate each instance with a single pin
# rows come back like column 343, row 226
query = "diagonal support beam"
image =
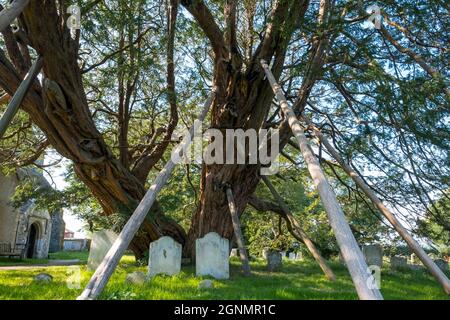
column 349, row 248
column 19, row 96
column 238, row 233
column 11, row 12
column 306, row 240
column 105, row 270
column 412, row 243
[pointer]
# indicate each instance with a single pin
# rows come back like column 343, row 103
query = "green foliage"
column 436, row 224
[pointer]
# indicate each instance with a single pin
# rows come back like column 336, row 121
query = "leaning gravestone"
column 102, row 241
column 164, row 257
column 442, row 264
column 212, row 256
column 274, row 261
column 398, row 263
column 374, row 255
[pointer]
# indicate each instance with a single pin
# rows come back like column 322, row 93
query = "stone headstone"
column 299, row 256
column 274, row 261
column 264, row 253
column 43, row 277
column 374, row 255
column 206, row 284
column 292, row 256
column 442, row 264
column 413, row 259
column 212, row 256
column 102, row 241
column 283, row 254
column 137, row 277
column 398, row 263
column 164, row 257
column 234, row 252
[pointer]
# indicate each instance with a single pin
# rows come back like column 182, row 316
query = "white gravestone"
column 102, row 241
column 212, row 256
column 164, row 257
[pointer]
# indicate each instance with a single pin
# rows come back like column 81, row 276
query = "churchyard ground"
column 301, row 280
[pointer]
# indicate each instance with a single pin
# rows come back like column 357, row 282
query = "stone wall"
column 75, row 244
column 15, row 224
column 9, row 217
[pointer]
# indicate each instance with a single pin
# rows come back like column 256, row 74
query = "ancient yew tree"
column 111, row 95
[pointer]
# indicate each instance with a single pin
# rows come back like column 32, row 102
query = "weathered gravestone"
column 398, row 263
column 374, row 255
column 102, row 241
column 234, row 252
column 212, row 256
column 274, row 260
column 442, row 264
column 413, row 259
column 264, row 253
column 164, row 257
column 292, row 256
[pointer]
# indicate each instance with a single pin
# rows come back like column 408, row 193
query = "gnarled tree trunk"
column 61, row 111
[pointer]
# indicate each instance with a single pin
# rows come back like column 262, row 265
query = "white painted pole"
column 349, row 248
column 412, row 243
column 18, row 97
column 105, row 270
column 306, row 240
column 11, row 12
column 238, row 233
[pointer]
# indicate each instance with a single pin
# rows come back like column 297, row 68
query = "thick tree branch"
column 207, row 23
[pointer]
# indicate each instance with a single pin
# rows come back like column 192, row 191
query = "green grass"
column 70, row 255
column 63, row 255
column 297, row 280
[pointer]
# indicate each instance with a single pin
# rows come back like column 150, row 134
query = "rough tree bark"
column 243, row 100
column 60, row 109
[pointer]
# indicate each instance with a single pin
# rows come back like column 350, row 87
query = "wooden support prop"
column 349, row 248
column 20, row 94
column 306, row 240
column 11, row 12
column 238, row 233
column 104, row 271
column 412, row 243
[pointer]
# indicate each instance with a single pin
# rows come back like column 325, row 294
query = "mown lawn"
column 297, row 280
column 63, row 255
